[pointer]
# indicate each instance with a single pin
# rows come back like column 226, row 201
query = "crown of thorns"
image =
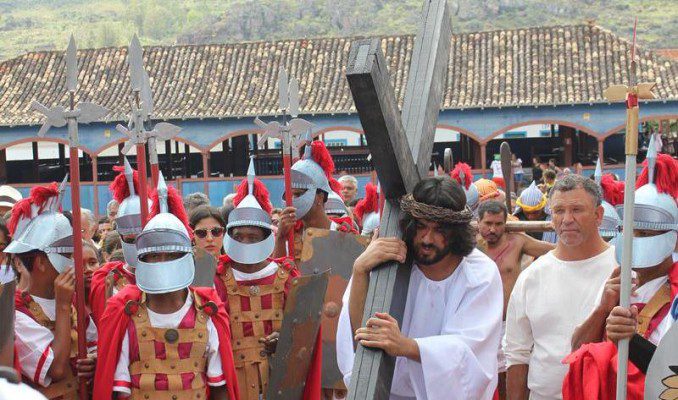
column 434, row 213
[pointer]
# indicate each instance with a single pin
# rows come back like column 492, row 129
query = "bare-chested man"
column 506, row 249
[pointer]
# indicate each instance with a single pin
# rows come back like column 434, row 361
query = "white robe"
column 456, row 323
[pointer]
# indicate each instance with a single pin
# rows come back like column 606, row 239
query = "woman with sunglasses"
column 208, row 227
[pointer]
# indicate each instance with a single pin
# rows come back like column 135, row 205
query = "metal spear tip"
column 136, row 63
column 146, row 95
column 128, row 166
column 598, row 174
column 294, row 97
column 616, row 92
column 644, row 90
column 71, row 65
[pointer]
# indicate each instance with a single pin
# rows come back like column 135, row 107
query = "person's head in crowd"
column 552, row 163
column 532, row 203
column 578, row 168
column 349, row 188
column 105, row 226
column 208, row 229
column 117, row 256
column 492, row 216
column 275, row 216
column 443, row 230
column 90, row 262
column 195, row 200
column 549, row 179
column 576, row 211
column 8, row 197
column 89, row 225
column 110, row 243
column 112, row 210
column 4, row 241
column 536, row 161
column 487, row 190
column 228, row 201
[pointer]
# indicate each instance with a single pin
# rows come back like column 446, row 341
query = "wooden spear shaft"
column 74, row 167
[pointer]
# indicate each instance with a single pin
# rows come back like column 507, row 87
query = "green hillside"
column 27, row 25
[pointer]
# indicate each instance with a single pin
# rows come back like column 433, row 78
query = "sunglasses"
column 202, row 233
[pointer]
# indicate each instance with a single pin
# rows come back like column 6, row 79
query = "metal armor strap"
column 658, row 300
column 173, row 366
column 66, row 388
column 251, row 359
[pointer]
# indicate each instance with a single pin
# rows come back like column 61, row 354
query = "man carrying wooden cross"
column 447, row 347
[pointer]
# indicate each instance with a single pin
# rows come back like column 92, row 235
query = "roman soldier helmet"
column 335, row 203
column 531, row 199
column 654, row 209
column 37, row 224
column 252, row 208
column 463, row 175
column 124, row 188
column 613, row 195
column 166, row 232
column 312, row 173
column 367, row 210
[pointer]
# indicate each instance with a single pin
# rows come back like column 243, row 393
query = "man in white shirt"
column 557, row 292
column 451, row 326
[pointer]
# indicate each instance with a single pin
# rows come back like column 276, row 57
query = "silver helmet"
column 128, row 220
column 311, row 173
column 370, row 223
column 611, row 224
column 166, row 232
column 252, row 209
column 531, row 199
column 654, row 209
column 335, row 205
column 37, row 224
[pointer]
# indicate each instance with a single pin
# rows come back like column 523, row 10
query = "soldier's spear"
column 59, row 116
column 139, row 135
column 290, row 134
column 630, row 95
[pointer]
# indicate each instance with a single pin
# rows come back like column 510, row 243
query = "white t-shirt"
column 496, row 169
column 215, row 375
column 34, row 342
column 456, row 323
column 549, row 300
column 518, row 167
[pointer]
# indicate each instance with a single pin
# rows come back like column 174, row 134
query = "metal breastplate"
column 148, row 367
column 66, row 388
column 251, row 360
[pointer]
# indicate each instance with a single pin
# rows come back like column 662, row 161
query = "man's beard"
column 492, row 238
column 436, row 255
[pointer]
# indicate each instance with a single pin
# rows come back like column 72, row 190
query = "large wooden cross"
column 401, row 148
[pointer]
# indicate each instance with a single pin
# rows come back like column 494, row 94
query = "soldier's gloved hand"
column 621, row 323
column 270, row 342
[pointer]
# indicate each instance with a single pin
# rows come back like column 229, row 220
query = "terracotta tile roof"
column 533, row 66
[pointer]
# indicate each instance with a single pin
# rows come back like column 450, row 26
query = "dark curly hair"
column 447, row 193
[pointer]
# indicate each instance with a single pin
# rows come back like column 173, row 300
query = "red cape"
column 312, row 390
column 113, row 327
column 97, row 291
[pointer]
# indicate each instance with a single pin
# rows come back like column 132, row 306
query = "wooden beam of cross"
column 401, row 152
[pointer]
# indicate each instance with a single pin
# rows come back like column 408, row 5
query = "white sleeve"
column 518, row 339
column 215, row 372
column 344, row 340
column 34, row 349
column 92, row 336
column 122, row 381
column 461, row 362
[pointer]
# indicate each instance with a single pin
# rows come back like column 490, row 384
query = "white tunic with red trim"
column 183, row 318
column 34, row 342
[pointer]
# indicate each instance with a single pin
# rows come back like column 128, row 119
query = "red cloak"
column 97, row 291
column 113, row 327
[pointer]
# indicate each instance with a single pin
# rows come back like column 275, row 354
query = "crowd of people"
column 491, row 311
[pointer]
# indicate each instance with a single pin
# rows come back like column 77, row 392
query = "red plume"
column 260, row 193
column 368, row 204
column 666, row 175
column 322, row 156
column 40, row 194
column 175, row 205
column 119, row 187
column 468, row 175
column 21, row 209
column 613, row 190
column 335, row 186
